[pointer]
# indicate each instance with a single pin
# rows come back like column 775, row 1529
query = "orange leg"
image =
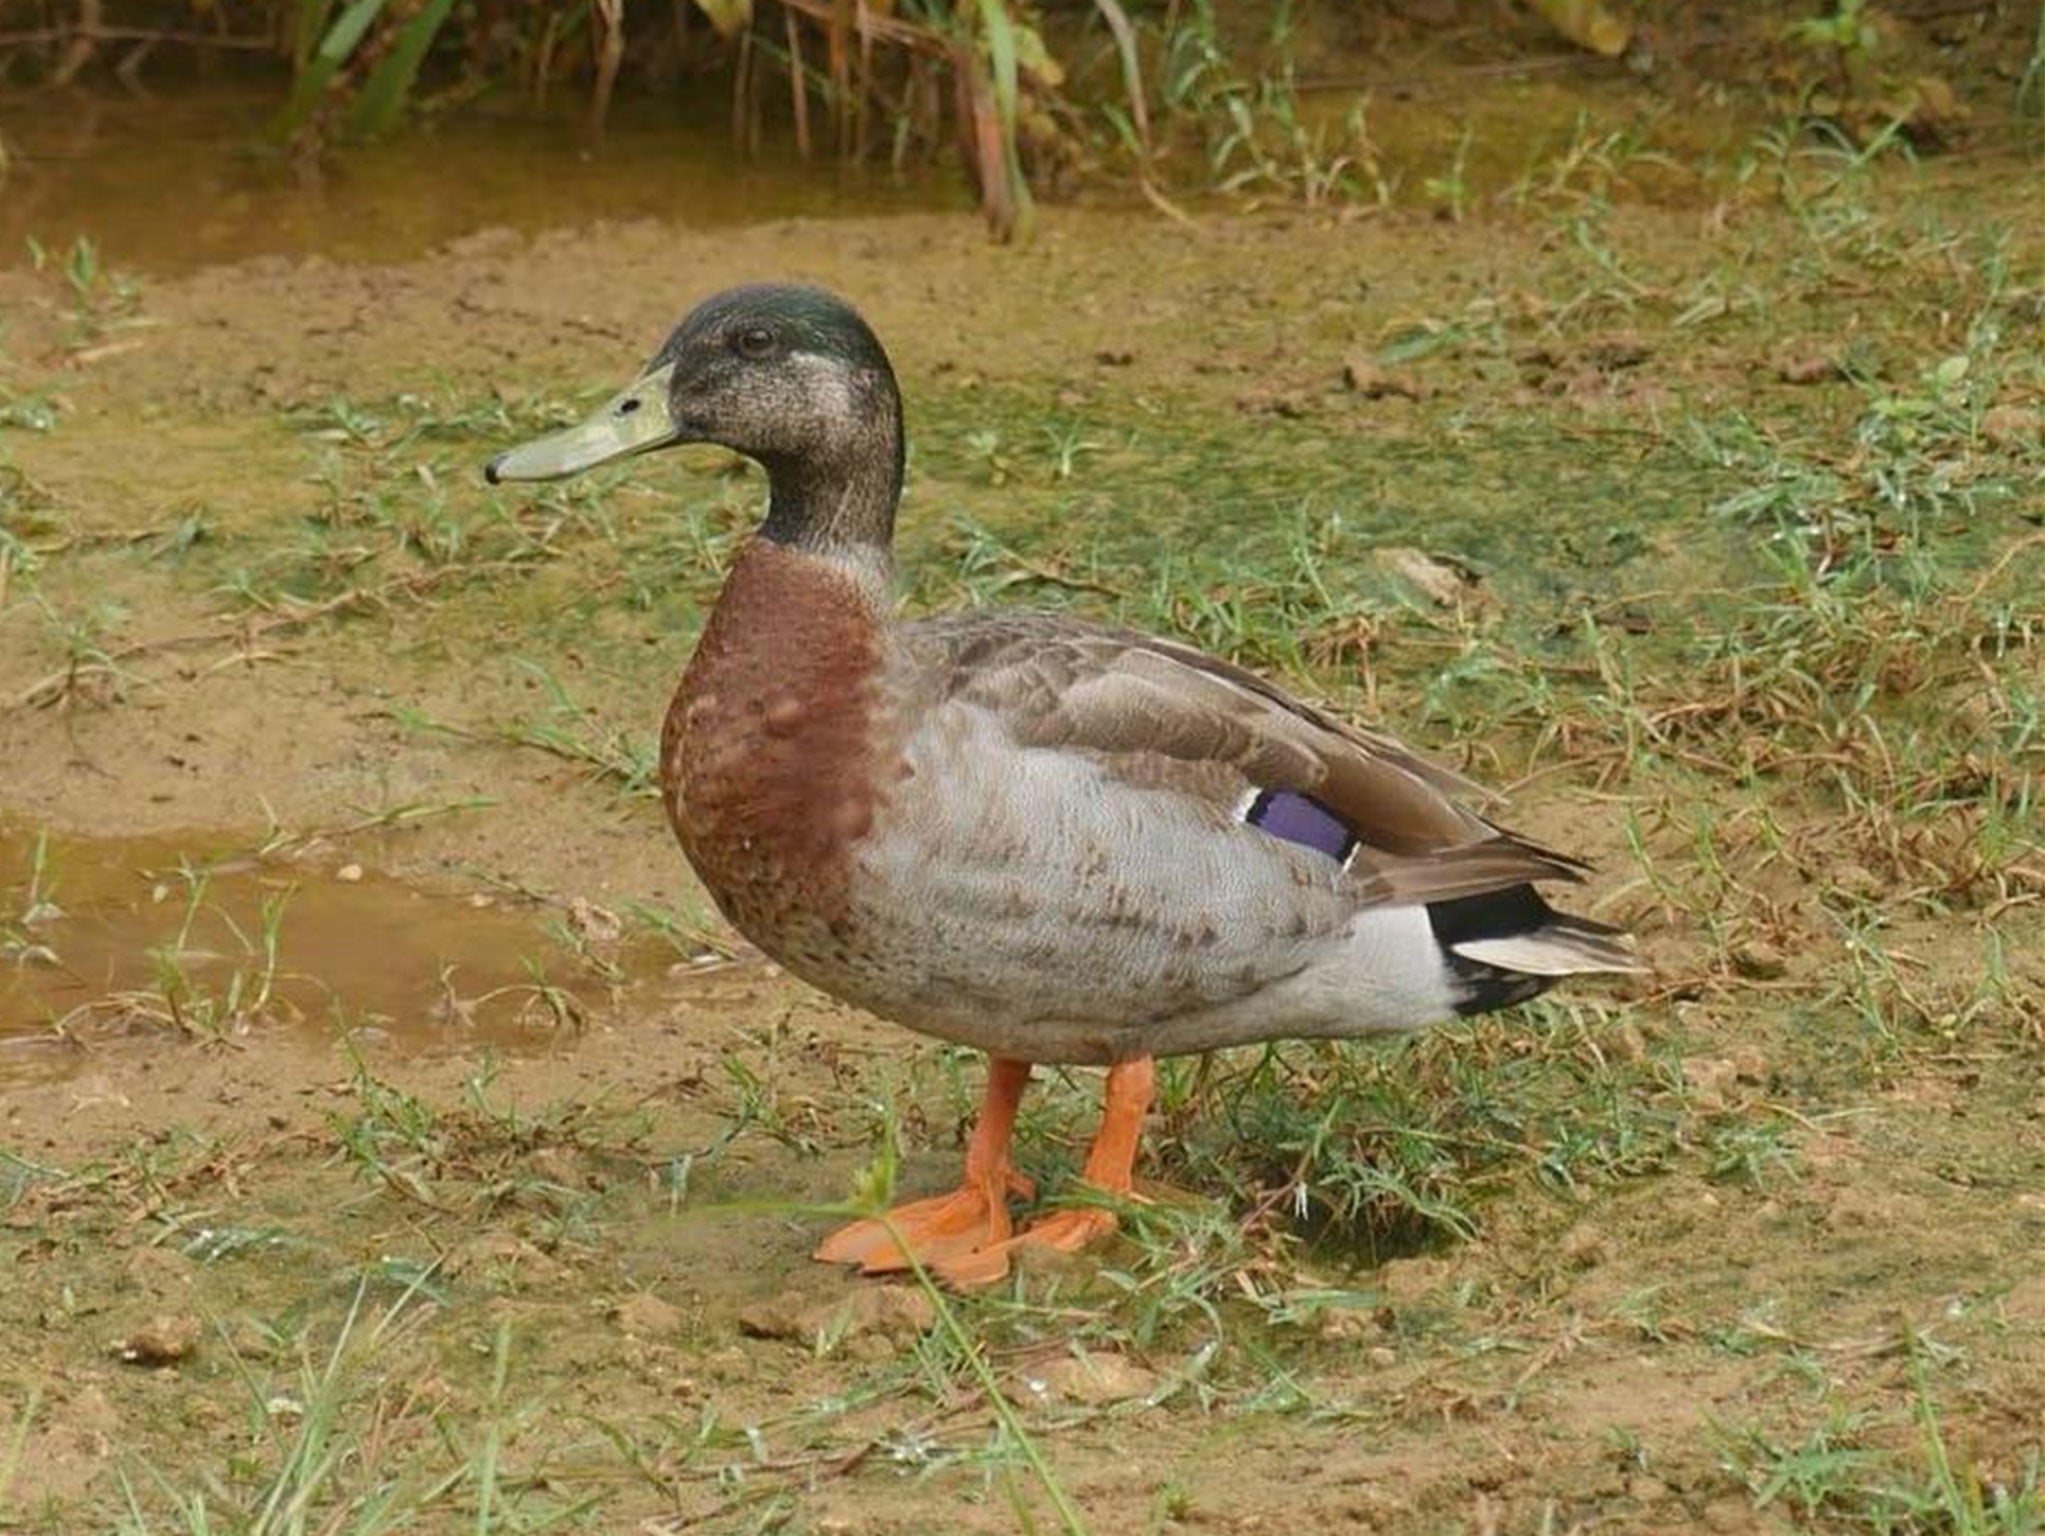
column 969, row 1218
column 1110, row 1166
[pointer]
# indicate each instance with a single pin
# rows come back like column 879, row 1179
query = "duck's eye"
column 755, row 341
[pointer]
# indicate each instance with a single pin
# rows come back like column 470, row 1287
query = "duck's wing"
column 1167, row 717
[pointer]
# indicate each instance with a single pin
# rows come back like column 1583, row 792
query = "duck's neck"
column 839, row 500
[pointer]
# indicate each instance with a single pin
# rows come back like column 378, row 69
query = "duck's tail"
column 1504, row 947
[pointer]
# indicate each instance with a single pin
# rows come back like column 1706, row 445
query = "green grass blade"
column 342, row 39
column 10, row 1459
column 1002, row 54
column 382, row 102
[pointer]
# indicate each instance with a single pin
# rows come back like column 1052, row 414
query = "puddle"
column 186, row 179
column 195, row 937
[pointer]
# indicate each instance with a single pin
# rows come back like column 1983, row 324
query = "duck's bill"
column 635, row 421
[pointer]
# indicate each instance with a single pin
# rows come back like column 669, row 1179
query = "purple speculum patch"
column 1302, row 819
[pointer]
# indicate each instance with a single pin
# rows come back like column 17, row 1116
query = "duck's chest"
column 774, row 754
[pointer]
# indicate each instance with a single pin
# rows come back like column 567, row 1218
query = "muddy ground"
column 388, row 1126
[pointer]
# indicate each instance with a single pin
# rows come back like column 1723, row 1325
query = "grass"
column 33, row 907
column 353, row 1452
column 1841, row 1476
column 1781, row 639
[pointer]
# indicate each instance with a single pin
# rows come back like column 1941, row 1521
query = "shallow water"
column 103, row 938
column 187, row 180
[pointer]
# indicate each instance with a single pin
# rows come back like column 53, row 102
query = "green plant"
column 34, row 907
column 184, row 997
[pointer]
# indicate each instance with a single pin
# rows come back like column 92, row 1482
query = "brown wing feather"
column 1164, row 714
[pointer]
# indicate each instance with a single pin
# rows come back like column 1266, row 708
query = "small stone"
column 897, row 1314
column 1265, row 400
column 499, row 1258
column 1583, row 1246
column 1750, row 1065
column 1711, row 1078
column 1759, row 960
column 1090, row 1381
column 1616, row 353
column 348, row 874
column 645, row 1316
column 1809, row 368
column 160, row 1341
column 1929, row 105
column 893, row 1315
column 1340, row 1325
column 779, row 1318
column 594, row 924
column 1363, row 377
column 730, row 1364
column 1381, row 1356
column 1404, row 1281
column 1446, row 584
column 2013, row 426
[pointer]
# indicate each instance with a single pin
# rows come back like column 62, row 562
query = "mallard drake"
column 1051, row 841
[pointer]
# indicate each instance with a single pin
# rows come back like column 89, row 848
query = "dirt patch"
column 496, row 1137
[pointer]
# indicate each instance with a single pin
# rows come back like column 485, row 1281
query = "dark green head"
column 792, row 377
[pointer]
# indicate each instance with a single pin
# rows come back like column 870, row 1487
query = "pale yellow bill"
column 632, row 422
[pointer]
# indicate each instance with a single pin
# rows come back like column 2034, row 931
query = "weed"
column 1838, row 1475
column 102, row 300
column 1450, row 191
column 627, row 759
column 34, row 906
column 218, row 1015
column 37, row 412
column 81, row 639
column 1259, row 141
column 1781, row 638
column 2029, row 97
column 16, row 1444
column 352, row 1446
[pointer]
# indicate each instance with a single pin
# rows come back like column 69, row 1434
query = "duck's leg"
column 969, row 1218
column 1110, row 1167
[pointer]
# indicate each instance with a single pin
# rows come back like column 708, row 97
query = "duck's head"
column 791, row 377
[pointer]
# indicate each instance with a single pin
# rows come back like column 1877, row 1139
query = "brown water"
column 183, row 181
column 103, row 938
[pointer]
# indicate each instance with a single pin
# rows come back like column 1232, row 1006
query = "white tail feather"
column 1552, row 951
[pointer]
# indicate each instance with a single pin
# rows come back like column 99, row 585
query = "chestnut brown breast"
column 767, row 752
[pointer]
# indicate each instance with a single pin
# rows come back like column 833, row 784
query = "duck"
column 1052, row 841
